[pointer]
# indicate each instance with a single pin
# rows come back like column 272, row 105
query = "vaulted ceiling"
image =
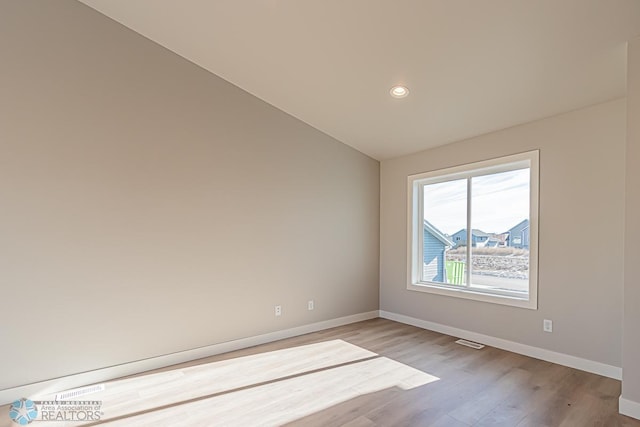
column 471, row 66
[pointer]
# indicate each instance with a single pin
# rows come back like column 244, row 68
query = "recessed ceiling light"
column 399, row 91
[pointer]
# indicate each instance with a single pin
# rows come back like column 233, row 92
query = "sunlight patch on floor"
column 273, row 387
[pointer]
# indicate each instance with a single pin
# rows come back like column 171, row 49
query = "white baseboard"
column 527, row 350
column 105, row 374
column 629, row 408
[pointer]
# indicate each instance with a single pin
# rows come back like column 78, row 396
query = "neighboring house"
column 518, row 235
column 496, row 241
column 478, row 237
column 491, row 243
column 435, row 245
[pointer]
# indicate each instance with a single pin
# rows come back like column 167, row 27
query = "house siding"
column 433, row 253
column 462, row 236
column 519, row 235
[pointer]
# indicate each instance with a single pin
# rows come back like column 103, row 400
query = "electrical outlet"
column 547, row 325
column 310, row 305
column 278, row 310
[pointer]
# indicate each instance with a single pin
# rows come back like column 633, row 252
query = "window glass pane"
column 500, row 230
column 443, row 234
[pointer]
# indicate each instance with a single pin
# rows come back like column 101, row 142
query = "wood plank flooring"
column 372, row 373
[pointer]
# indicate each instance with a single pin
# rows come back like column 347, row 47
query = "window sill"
column 475, row 295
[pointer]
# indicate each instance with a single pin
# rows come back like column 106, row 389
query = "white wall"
column 148, row 206
column 580, row 238
column 631, row 348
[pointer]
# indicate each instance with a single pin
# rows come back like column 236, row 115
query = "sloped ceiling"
column 471, row 66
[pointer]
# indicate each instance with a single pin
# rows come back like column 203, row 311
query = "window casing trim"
column 529, row 160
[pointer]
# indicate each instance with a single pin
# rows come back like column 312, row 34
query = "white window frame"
column 415, row 217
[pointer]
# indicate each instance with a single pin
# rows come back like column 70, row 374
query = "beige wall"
column 580, row 238
column 631, row 345
column 149, row 207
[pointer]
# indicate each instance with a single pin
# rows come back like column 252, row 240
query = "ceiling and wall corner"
column 471, row 67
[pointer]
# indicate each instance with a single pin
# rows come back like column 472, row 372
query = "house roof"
column 524, row 223
column 474, row 231
column 437, row 233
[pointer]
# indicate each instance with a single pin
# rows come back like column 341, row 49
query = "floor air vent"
column 72, row 394
column 470, row 344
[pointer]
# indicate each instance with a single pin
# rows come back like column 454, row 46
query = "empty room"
column 319, row 213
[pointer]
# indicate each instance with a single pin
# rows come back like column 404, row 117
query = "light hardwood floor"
column 372, row 373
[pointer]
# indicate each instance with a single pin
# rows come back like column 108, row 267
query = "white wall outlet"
column 547, row 325
column 310, row 305
column 278, row 310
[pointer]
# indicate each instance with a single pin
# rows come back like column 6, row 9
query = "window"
column 473, row 231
